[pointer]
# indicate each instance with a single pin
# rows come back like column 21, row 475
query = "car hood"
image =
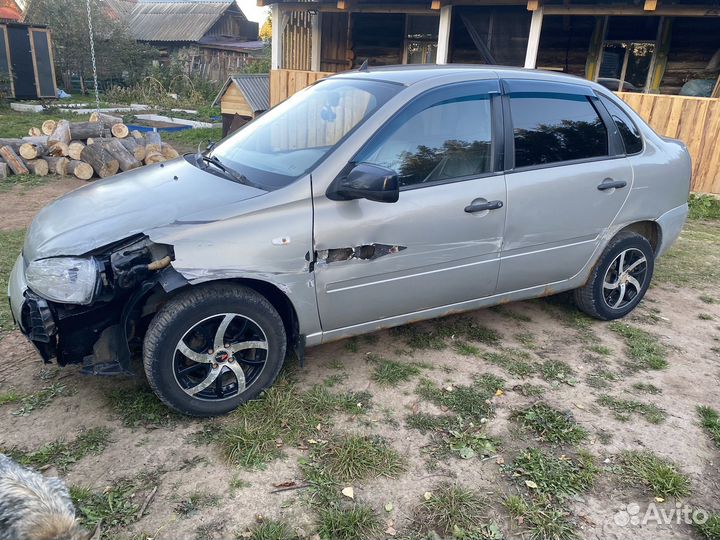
column 130, row 203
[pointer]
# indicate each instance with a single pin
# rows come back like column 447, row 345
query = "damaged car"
column 369, row 200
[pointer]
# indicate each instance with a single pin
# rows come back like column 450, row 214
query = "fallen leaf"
column 312, row 441
column 391, row 531
column 500, row 461
column 466, row 452
column 531, row 484
column 580, row 406
column 349, row 492
column 449, row 388
column 318, row 427
column 499, row 392
column 427, row 495
column 659, row 499
column 388, row 506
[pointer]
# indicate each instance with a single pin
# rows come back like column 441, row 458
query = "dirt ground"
column 682, row 318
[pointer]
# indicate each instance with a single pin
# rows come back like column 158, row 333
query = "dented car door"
column 439, row 243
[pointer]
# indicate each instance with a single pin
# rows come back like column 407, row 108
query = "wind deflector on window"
column 521, row 86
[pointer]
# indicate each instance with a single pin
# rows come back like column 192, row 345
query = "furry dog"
column 33, row 507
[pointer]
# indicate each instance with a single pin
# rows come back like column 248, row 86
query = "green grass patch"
column 355, row 457
column 452, row 435
column 191, row 138
column 41, row 399
column 601, row 378
column 710, row 529
column 63, row 455
column 551, row 425
column 625, row 408
column 391, row 372
column 195, row 502
column 540, row 519
column 557, row 477
column 10, row 397
column 138, row 406
column 529, row 389
column 602, row 350
column 354, row 523
column 435, row 334
column 646, row 388
column 643, row 348
column 556, row 371
column 16, row 124
column 272, row 529
column 694, row 259
column 710, row 421
column 511, row 314
column 527, row 340
column 10, row 246
column 703, row 207
column 657, row 475
column 705, row 317
column 471, row 402
column 515, row 361
column 450, row 509
column 707, row 299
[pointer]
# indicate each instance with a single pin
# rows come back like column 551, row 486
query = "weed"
column 417, row 337
column 707, row 299
column 529, row 390
column 604, row 436
column 355, row 457
column 428, row 422
column 542, row 520
column 711, row 528
column 391, row 372
column 466, row 349
column 351, row 345
column 692, row 260
column 63, row 455
column 657, row 475
column 510, row 314
column 348, row 523
column 139, row 406
column 236, row 484
column 271, row 529
column 472, row 402
column 10, row 397
column 643, row 347
column 550, row 424
column 333, row 380
column 527, row 340
column 41, row 399
column 514, row 361
column 647, row 388
column 710, row 420
column 601, row 378
column 516, row 505
column 450, row 507
column 193, row 137
column 623, row 408
column 602, row 350
column 703, row 206
column 452, row 435
column 705, row 317
column 556, row 371
column 195, row 502
column 557, row 477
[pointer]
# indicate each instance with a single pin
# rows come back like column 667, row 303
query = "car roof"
column 408, row 75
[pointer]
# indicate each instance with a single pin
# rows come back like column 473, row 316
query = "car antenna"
column 364, row 66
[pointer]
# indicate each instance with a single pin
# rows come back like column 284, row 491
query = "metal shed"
column 242, row 98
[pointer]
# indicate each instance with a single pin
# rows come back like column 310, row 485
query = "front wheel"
column 620, row 278
column 212, row 348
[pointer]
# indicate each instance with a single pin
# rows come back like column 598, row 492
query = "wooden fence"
column 693, row 120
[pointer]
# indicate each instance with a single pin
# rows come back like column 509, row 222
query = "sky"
column 251, row 10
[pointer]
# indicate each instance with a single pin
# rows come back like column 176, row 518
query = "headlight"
column 69, row 280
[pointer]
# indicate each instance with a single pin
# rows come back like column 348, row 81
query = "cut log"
column 132, row 146
column 79, row 169
column 12, row 143
column 120, row 131
column 85, row 130
column 13, row 160
column 42, row 139
column 48, row 126
column 102, row 163
column 3, row 170
column 168, row 151
column 32, row 151
column 137, row 134
column 38, row 167
column 58, row 149
column 57, row 165
column 61, row 133
column 153, row 142
column 74, row 149
column 154, row 157
column 93, row 140
column 35, row 132
column 107, row 120
column 125, row 159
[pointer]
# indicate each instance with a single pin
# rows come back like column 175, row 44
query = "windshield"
column 288, row 140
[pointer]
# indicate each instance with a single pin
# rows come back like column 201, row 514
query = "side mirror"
column 366, row 181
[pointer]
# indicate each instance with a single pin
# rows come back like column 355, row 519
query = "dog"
column 33, row 507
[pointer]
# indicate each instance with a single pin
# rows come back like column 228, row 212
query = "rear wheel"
column 620, row 278
column 212, row 348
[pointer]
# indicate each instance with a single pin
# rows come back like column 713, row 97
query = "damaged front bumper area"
column 98, row 335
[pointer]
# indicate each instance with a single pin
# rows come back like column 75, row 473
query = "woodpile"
column 98, row 148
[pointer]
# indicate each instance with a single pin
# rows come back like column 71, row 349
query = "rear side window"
column 628, row 130
column 553, row 127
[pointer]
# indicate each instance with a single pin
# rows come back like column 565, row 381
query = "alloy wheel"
column 625, row 278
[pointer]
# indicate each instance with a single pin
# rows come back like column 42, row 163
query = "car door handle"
column 477, row 206
column 609, row 183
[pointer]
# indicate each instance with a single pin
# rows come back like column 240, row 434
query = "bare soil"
column 670, row 313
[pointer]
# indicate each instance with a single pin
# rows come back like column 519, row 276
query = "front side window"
column 629, row 132
column 553, row 127
column 288, row 140
column 447, row 139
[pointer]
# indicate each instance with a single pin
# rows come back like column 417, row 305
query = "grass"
column 601, row 378
column 140, row 407
column 10, row 397
column 272, row 529
column 511, row 314
column 391, row 372
column 14, row 124
column 450, row 508
column 646, row 388
column 435, row 334
column 195, row 502
column 703, row 207
column 602, row 350
column 471, row 402
column 705, row 317
column 355, row 457
column 10, row 246
column 529, row 389
column 249, row 438
column 657, row 475
column 711, row 528
column 41, row 398
column 643, row 348
column 710, row 421
column 63, row 455
column 557, row 477
column 348, row 523
column 515, row 361
column 707, row 299
column 453, row 436
column 625, row 408
column 556, row 371
column 527, row 340
column 694, row 259
column 540, row 519
column 551, row 425
column 191, row 138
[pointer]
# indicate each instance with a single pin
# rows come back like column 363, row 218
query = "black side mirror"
column 366, row 181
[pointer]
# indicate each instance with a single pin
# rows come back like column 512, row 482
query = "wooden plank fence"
column 693, row 120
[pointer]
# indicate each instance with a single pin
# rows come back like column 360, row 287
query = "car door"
column 567, row 180
column 439, row 243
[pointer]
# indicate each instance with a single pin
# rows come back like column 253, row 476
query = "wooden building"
column 644, row 49
column 242, row 99
column 27, row 67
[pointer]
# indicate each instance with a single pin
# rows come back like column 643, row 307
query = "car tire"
column 212, row 348
column 619, row 279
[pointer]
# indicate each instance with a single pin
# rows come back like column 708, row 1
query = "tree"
column 118, row 55
column 266, row 29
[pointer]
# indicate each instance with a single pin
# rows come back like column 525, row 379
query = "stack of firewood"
column 98, row 148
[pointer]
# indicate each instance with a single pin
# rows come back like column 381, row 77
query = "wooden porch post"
column 316, row 30
column 534, row 38
column 279, row 22
column 443, row 50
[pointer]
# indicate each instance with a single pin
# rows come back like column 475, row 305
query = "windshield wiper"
column 214, row 160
